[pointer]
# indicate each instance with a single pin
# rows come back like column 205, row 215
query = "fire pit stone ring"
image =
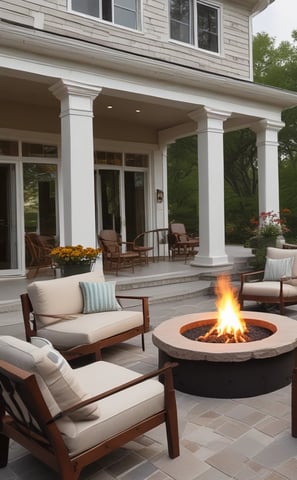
column 227, row 370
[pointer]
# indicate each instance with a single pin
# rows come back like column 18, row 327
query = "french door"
column 9, row 258
column 120, row 201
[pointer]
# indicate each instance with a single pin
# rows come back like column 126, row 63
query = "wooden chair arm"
column 166, row 370
column 245, row 275
column 145, row 308
column 28, row 316
column 286, row 279
column 127, row 243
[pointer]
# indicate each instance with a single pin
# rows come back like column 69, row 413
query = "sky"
column 278, row 20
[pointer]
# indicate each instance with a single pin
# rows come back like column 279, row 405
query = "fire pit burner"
column 198, row 333
column 229, row 370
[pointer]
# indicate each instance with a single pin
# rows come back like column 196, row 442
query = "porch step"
column 178, row 285
column 7, row 306
column 176, row 291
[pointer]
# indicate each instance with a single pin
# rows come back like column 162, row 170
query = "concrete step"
column 156, row 280
column 10, row 306
column 174, row 291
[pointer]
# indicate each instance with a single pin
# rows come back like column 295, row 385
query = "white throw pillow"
column 277, row 268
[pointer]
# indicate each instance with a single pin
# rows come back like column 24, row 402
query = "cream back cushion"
column 21, row 355
column 57, row 381
column 56, row 299
column 278, row 253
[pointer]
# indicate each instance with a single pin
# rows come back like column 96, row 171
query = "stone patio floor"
column 220, row 439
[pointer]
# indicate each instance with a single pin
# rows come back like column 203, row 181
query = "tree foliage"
column 275, row 66
column 183, row 183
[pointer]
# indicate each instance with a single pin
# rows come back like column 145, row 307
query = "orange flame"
column 229, row 320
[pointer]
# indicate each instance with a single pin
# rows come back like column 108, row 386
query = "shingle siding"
column 154, row 38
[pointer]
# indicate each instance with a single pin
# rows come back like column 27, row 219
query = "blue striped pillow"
column 99, row 297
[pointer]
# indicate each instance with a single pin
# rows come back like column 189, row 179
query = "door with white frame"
column 120, row 185
column 10, row 259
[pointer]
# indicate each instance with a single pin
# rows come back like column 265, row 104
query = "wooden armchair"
column 114, row 257
column 277, row 284
column 180, row 242
column 143, row 244
column 57, row 310
column 73, row 421
column 38, row 254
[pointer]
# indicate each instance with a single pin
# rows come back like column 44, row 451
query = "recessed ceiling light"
column 109, row 106
column 138, row 110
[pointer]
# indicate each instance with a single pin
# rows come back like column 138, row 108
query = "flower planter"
column 259, row 246
column 75, row 269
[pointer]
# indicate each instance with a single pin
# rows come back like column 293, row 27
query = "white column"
column 212, row 250
column 160, row 197
column 77, row 165
column 267, row 152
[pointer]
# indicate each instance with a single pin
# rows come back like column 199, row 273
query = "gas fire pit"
column 228, row 370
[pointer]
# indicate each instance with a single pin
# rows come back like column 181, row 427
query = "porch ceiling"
column 25, row 91
column 156, row 114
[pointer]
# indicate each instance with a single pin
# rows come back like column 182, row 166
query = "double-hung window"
column 119, row 12
column 196, row 23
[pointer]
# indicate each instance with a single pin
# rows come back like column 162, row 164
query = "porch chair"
column 180, row 242
column 38, row 254
column 276, row 284
column 81, row 314
column 69, row 418
column 289, row 246
column 113, row 255
column 143, row 244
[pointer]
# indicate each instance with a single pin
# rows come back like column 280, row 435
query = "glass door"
column 134, row 204
column 109, row 200
column 8, row 218
column 120, row 202
column 40, row 198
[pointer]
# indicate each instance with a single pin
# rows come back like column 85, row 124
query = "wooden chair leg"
column 142, row 342
column 281, row 307
column 294, row 404
column 4, row 448
column 171, row 416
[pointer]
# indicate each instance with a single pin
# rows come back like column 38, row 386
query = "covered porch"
column 138, row 108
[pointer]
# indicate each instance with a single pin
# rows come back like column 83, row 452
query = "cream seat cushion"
column 90, row 328
column 117, row 412
column 268, row 289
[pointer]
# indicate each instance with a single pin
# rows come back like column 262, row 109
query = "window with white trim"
column 196, row 23
column 119, row 12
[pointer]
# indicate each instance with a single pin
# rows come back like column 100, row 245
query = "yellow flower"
column 74, row 254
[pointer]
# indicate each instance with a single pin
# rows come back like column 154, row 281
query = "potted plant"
column 267, row 231
column 73, row 260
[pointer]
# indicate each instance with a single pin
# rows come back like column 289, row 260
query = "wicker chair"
column 38, row 254
column 180, row 242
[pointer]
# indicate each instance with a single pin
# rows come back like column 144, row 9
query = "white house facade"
column 92, row 93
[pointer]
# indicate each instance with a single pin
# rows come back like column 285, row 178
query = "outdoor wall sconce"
column 160, row 196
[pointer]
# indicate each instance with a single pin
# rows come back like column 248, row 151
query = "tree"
column 275, row 66
column 183, row 183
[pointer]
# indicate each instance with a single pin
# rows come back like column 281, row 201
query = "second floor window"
column 196, row 23
column 119, row 12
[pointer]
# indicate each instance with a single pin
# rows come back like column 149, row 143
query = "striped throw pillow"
column 99, row 297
